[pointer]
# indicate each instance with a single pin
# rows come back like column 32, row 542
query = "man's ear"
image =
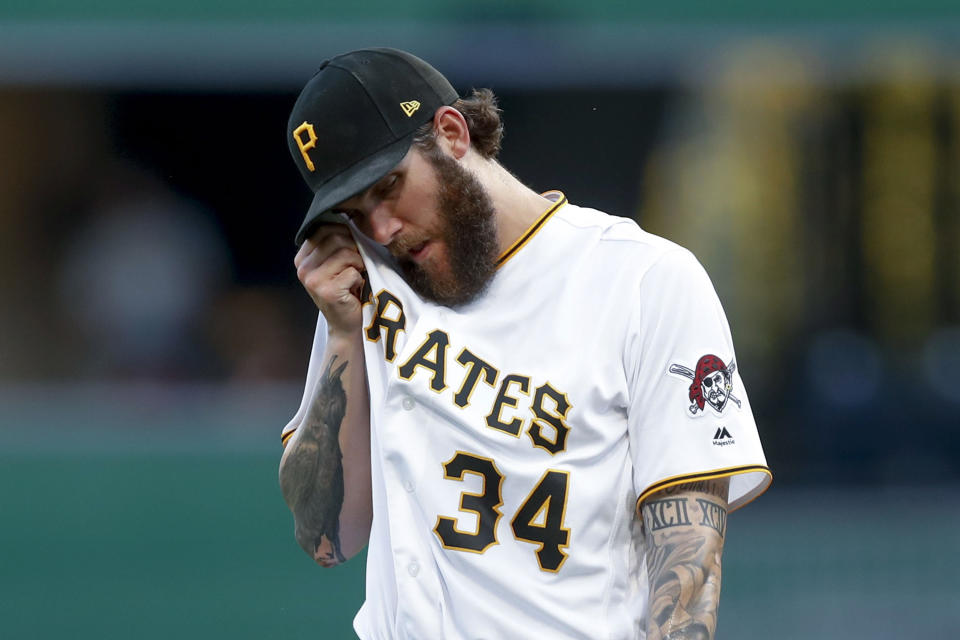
column 453, row 134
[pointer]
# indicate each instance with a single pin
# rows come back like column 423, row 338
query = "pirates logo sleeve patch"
column 711, row 384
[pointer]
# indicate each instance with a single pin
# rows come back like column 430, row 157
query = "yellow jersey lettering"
column 547, row 423
column 551, row 420
column 389, row 315
column 475, row 366
column 495, row 420
column 432, row 355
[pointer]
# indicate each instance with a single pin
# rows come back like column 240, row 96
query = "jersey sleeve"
column 313, row 377
column 689, row 418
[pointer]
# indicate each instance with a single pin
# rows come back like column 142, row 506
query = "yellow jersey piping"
column 532, row 231
column 286, row 437
column 708, row 475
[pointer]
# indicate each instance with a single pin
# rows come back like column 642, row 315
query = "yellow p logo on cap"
column 310, row 143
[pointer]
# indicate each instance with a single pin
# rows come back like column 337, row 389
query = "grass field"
column 160, row 547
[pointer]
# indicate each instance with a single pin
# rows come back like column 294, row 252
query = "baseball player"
column 528, row 410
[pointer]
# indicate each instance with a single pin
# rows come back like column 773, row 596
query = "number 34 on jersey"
column 538, row 521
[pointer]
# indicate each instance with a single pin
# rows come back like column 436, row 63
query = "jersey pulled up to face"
column 513, row 438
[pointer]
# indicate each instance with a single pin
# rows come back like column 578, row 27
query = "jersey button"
column 413, row 569
column 408, row 404
column 408, row 486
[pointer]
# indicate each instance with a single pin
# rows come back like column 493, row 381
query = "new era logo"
column 410, row 107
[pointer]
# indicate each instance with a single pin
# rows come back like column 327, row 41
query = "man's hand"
column 331, row 270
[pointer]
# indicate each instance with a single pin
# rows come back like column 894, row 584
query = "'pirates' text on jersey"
column 512, row 438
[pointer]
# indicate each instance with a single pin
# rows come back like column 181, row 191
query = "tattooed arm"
column 325, row 469
column 684, row 528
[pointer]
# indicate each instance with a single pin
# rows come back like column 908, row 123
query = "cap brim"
column 349, row 183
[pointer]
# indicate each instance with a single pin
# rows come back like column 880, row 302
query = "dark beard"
column 467, row 227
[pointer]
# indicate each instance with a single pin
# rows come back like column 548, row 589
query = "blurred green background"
column 153, row 336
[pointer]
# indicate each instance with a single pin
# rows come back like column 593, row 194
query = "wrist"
column 344, row 340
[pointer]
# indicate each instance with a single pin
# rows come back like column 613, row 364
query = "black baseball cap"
column 354, row 121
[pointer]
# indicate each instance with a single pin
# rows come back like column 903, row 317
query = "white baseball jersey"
column 513, row 438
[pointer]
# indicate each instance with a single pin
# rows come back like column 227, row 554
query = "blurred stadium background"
column 153, row 336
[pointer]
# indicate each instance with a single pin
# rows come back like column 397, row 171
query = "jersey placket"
column 404, row 451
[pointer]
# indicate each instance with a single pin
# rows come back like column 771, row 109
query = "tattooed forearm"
column 312, row 471
column 684, row 541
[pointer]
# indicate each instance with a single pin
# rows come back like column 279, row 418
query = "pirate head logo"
column 711, row 384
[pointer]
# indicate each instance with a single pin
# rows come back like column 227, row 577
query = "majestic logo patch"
column 723, row 437
column 712, row 384
column 410, row 107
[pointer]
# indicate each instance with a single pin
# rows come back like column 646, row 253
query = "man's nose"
column 384, row 224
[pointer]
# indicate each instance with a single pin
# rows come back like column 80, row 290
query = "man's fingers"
column 332, row 250
column 350, row 281
column 331, row 266
column 319, row 250
column 328, row 235
column 336, row 279
column 338, row 293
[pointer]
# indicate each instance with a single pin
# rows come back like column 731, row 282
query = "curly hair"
column 482, row 114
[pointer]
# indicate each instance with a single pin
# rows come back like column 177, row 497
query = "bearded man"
column 488, row 404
